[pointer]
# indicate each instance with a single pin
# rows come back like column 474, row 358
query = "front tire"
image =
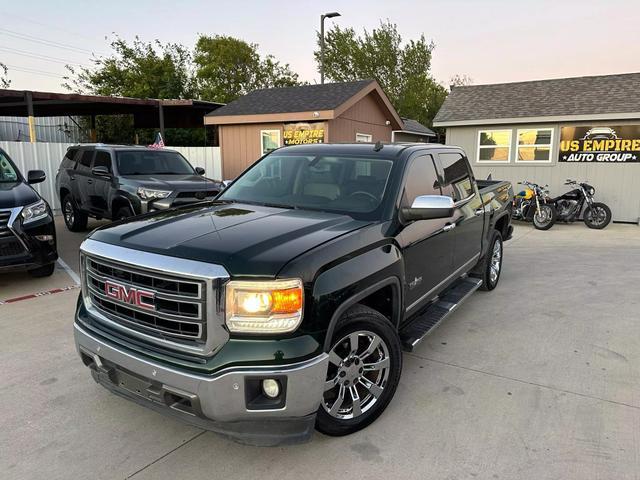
column 544, row 218
column 74, row 219
column 123, row 213
column 365, row 363
column 597, row 216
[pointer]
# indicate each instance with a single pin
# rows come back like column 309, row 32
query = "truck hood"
column 175, row 182
column 246, row 239
column 16, row 194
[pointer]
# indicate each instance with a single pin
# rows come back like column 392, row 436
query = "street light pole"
column 322, row 17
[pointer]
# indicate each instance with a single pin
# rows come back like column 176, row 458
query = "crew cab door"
column 82, row 179
column 427, row 244
column 99, row 186
column 457, row 182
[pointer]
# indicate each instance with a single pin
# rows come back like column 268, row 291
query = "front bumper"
column 33, row 253
column 219, row 402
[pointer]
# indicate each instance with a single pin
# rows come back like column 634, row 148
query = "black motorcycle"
column 571, row 206
column 534, row 205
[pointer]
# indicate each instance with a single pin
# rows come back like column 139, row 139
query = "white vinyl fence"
column 47, row 157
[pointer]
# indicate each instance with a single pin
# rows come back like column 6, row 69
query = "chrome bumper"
column 217, row 402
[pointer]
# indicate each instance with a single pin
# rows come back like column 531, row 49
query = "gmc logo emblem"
column 131, row 295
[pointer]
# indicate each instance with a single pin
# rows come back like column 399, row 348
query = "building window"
column 534, row 145
column 269, row 140
column 364, row 138
column 494, row 146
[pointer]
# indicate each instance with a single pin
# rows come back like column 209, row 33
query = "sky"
column 491, row 41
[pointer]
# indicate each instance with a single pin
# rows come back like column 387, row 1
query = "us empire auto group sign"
column 618, row 144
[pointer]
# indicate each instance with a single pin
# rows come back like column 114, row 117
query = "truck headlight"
column 152, row 194
column 34, row 212
column 273, row 306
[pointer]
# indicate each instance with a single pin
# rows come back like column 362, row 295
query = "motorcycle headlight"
column 152, row 194
column 592, row 191
column 264, row 306
column 34, row 212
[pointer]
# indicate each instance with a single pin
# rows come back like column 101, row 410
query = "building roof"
column 302, row 103
column 414, row 126
column 577, row 98
column 178, row 113
column 293, row 99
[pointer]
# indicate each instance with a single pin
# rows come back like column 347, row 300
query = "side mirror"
column 101, row 172
column 426, row 207
column 226, row 183
column 200, row 170
column 36, row 176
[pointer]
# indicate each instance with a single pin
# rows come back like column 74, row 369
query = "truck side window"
column 103, row 159
column 421, row 179
column 85, row 159
column 69, row 159
column 457, row 178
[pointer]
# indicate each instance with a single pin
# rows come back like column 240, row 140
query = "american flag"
column 159, row 142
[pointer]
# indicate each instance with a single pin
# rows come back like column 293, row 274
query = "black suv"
column 27, row 231
column 118, row 181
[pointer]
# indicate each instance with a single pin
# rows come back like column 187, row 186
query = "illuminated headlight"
column 592, row 191
column 151, row 194
column 34, row 212
column 264, row 306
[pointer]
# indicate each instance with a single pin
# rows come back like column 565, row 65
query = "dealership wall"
column 616, row 184
column 47, row 157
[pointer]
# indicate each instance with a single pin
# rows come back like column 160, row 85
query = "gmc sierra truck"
column 286, row 302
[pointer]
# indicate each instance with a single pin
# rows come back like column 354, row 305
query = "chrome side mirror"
column 427, row 207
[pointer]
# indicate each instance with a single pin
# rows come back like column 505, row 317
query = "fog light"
column 271, row 387
column 44, row 238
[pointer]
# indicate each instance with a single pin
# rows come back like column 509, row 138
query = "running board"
column 412, row 334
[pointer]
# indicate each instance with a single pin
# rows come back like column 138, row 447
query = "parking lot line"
column 74, row 276
column 30, row 296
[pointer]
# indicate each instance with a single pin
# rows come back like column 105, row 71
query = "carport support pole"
column 30, row 119
column 161, row 120
column 92, row 132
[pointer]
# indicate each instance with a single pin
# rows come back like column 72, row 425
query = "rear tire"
column 492, row 263
column 44, row 271
column 365, row 363
column 547, row 218
column 74, row 219
column 597, row 216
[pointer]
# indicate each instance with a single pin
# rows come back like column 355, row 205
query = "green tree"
column 402, row 69
column 4, row 80
column 227, row 67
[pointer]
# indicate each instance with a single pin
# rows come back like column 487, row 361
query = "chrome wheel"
column 496, row 261
column 359, row 366
column 597, row 216
column 69, row 216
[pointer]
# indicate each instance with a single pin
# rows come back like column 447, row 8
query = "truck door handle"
column 89, row 181
column 479, row 212
column 449, row 227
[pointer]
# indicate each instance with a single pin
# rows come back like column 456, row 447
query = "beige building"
column 266, row 119
column 547, row 131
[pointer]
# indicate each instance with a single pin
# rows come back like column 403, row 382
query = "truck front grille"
column 155, row 304
column 9, row 244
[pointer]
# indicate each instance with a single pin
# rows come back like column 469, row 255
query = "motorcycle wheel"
column 597, row 216
column 545, row 218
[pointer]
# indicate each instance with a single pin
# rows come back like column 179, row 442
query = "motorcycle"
column 571, row 206
column 533, row 205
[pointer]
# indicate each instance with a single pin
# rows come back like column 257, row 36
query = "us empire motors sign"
column 617, row 144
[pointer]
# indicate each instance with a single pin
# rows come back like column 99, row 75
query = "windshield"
column 8, row 173
column 148, row 162
column 336, row 183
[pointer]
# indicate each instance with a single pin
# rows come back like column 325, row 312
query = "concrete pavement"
column 537, row 379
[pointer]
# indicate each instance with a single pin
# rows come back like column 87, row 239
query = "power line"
column 34, row 71
column 48, row 25
column 41, row 57
column 42, row 41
